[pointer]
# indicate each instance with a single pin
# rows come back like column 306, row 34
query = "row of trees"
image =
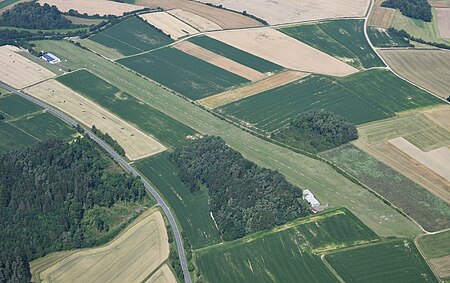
column 243, row 197
column 404, row 34
column 109, row 140
column 317, row 130
column 45, row 191
column 416, row 9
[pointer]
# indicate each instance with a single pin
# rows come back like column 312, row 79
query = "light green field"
column 109, row 53
column 16, row 106
column 325, row 182
column 13, row 138
column 434, row 246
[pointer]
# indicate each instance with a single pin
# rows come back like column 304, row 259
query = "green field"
column 132, row 36
column 6, row 3
column 431, row 212
column 235, row 54
column 286, row 253
column 13, row 138
column 192, row 210
column 343, row 39
column 382, row 38
column 361, row 98
column 396, row 261
column 434, row 246
column 16, row 106
column 167, row 130
column 186, row 74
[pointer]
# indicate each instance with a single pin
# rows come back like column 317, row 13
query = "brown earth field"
column 279, row 48
column 429, row 69
column 293, row 11
column 442, row 266
column 169, row 24
column 271, row 82
column 381, row 17
column 200, row 23
column 136, row 144
column 225, row 19
column 220, row 61
column 443, row 21
column 19, row 72
column 162, row 275
column 131, row 257
column 92, row 7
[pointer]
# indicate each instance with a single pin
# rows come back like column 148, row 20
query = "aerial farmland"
column 224, row 141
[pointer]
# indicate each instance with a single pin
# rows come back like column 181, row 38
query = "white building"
column 49, row 57
column 309, row 197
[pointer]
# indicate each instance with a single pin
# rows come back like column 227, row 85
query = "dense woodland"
column 243, row 197
column 416, row 9
column 317, row 130
column 44, row 192
column 31, row 15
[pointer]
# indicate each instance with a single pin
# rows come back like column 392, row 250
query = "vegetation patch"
column 16, row 106
column 388, row 38
column 435, row 246
column 343, row 39
column 416, row 9
column 13, row 138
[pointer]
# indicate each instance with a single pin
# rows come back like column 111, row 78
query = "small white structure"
column 52, row 59
column 309, row 197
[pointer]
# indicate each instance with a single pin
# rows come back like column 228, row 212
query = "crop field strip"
column 381, row 17
column 200, row 23
column 343, row 39
column 92, row 7
column 186, row 74
column 376, row 94
column 132, row 36
column 394, row 261
column 443, row 21
column 155, row 123
column 381, row 38
column 108, row 52
column 326, row 183
column 169, row 24
column 272, row 255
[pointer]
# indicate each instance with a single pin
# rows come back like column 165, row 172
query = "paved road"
column 126, row 166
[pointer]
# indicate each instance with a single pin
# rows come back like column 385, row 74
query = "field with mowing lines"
column 186, row 74
column 131, row 36
column 169, row 24
column 381, row 17
column 443, row 21
column 299, row 170
column 396, row 261
column 192, row 210
column 361, row 98
column 343, row 39
column 16, row 106
column 109, row 53
column 162, row 275
column 92, row 7
column 200, row 23
column 235, row 54
column 381, row 38
column 434, row 246
column 273, row 255
column 155, row 123
column 428, row 210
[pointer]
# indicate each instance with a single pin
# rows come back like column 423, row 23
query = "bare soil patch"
column 225, row 19
column 284, row 50
column 92, row 7
column 135, row 143
column 169, row 24
column 381, row 17
column 442, row 266
column 200, row 23
column 220, row 61
column 291, row 11
column 19, row 72
column 252, row 89
column 163, row 275
column 443, row 21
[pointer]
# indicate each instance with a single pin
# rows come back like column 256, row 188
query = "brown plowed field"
column 225, row 19
column 443, row 21
column 169, row 24
column 219, row 61
column 92, row 7
column 252, row 89
column 198, row 22
column 381, row 17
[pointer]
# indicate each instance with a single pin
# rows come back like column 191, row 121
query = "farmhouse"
column 309, row 197
column 49, row 57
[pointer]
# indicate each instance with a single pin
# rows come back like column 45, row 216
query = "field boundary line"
column 333, row 271
column 416, row 243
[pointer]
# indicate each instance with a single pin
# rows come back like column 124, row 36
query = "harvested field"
column 19, row 72
column 381, row 17
column 129, row 258
column 292, row 11
column 169, row 24
column 220, row 61
column 443, row 21
column 200, row 23
column 163, row 275
column 439, row 115
column 440, row 3
column 284, row 50
column 437, row 160
column 428, row 68
column 442, row 266
column 225, row 19
column 252, row 89
column 135, row 143
column 92, row 7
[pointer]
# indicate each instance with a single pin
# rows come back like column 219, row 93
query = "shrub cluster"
column 416, row 9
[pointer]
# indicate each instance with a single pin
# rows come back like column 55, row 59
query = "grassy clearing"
column 343, row 39
column 16, row 106
column 167, row 130
column 274, row 255
column 192, row 210
column 427, row 209
column 299, row 169
column 183, row 73
column 235, row 54
column 361, row 98
column 132, row 36
column 396, row 261
column 434, row 246
column 381, row 38
column 13, row 138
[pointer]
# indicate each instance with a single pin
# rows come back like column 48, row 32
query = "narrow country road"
column 125, row 165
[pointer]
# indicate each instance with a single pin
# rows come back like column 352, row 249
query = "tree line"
column 243, row 197
column 109, row 140
column 416, row 9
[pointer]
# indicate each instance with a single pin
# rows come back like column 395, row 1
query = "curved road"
column 125, row 165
